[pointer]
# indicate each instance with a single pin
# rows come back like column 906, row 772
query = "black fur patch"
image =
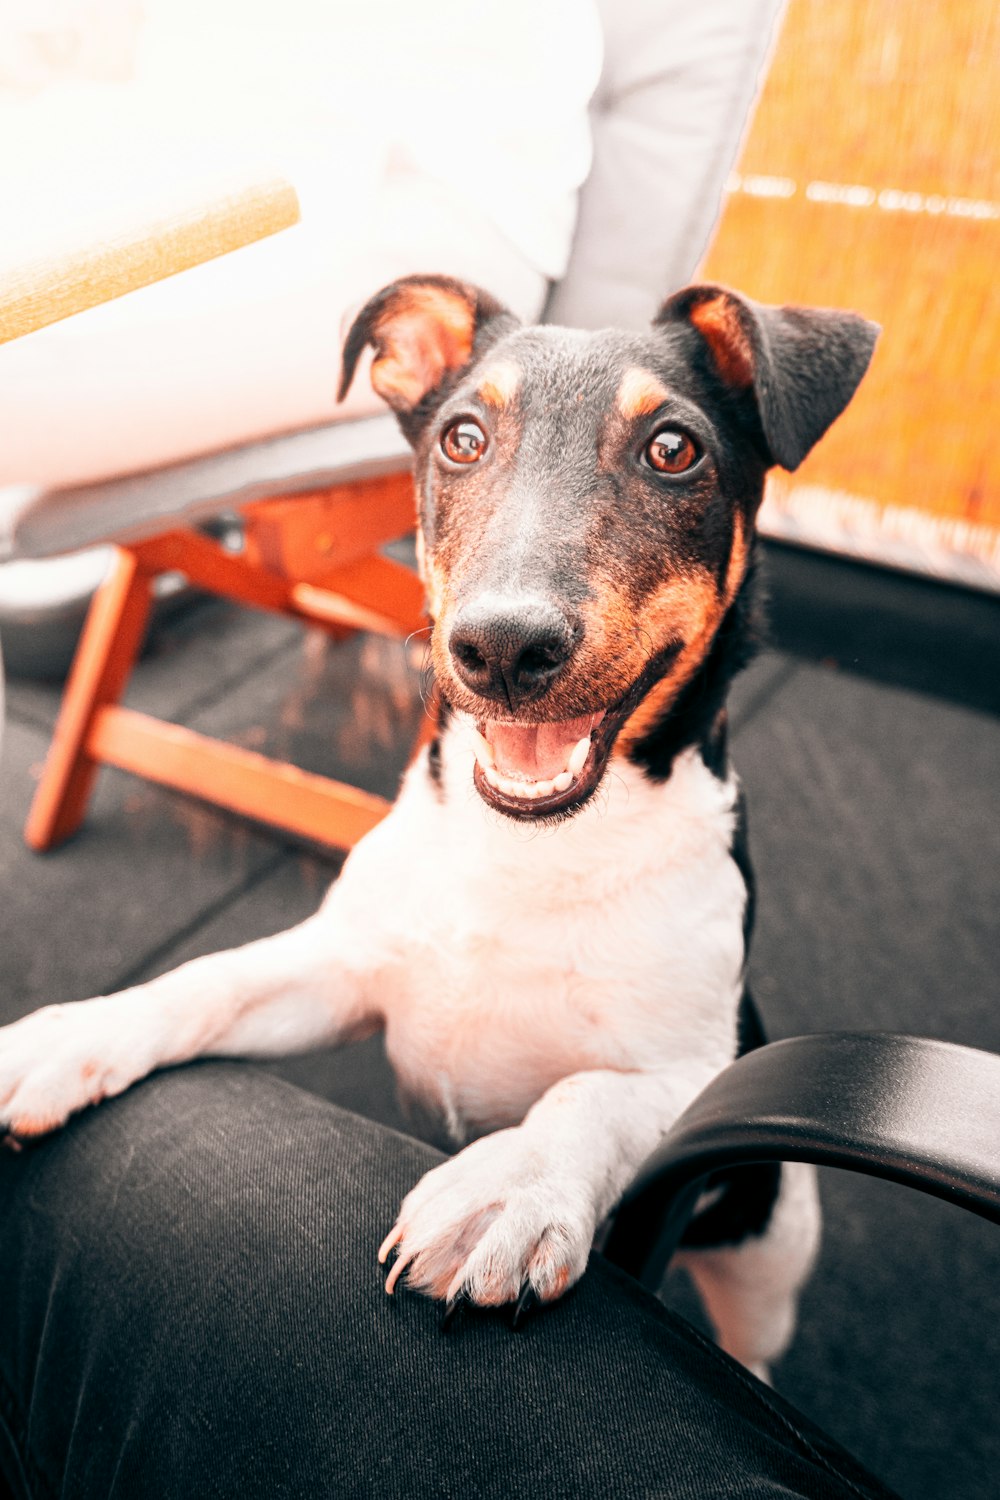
column 748, row 1195
column 715, row 746
column 740, row 851
column 434, row 762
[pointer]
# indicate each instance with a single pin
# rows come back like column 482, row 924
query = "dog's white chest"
column 520, row 955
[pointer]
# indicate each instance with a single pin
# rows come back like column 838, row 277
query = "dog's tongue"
column 535, row 752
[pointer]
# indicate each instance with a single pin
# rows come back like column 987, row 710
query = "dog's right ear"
column 423, row 330
column 802, row 364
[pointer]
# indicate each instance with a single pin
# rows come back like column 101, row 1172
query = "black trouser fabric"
column 191, row 1307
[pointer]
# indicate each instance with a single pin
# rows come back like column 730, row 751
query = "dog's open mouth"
column 533, row 770
column 537, row 770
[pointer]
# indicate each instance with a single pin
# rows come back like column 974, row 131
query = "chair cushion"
column 36, row 522
column 677, row 84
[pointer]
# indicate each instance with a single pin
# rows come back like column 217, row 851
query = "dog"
column 551, row 925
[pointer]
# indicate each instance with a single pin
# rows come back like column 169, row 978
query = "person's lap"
column 192, row 1305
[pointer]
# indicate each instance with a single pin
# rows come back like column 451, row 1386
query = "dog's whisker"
column 427, row 687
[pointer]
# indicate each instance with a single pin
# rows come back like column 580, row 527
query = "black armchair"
column 920, row 1112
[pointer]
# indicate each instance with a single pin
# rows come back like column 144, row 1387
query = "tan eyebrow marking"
column 499, row 384
column 639, row 394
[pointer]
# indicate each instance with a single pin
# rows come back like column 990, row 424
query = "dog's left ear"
column 803, row 363
column 423, row 330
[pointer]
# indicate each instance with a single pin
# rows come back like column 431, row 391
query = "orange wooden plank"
column 304, row 536
column 111, row 639
column 210, row 566
column 373, row 593
column 273, row 792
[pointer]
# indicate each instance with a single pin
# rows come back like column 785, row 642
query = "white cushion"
column 678, row 81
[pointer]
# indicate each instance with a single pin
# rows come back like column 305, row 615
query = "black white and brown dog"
column 551, row 924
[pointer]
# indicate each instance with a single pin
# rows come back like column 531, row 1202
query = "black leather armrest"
column 920, row 1112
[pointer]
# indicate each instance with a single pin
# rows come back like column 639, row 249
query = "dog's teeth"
column 578, row 756
column 526, row 791
column 484, row 750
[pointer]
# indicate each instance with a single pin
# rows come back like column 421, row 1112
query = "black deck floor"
column 871, row 755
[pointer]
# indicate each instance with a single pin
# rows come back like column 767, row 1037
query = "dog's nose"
column 511, row 652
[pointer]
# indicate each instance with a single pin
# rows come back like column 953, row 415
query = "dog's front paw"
column 491, row 1224
column 57, row 1061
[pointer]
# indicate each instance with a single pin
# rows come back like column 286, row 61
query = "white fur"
column 570, row 988
column 750, row 1290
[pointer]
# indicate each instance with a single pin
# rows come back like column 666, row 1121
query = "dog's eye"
column 463, row 442
column 671, row 452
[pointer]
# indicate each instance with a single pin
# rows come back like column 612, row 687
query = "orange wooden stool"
column 313, row 557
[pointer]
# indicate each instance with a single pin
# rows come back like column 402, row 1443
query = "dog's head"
column 587, row 503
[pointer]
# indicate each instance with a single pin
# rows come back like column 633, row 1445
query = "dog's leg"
column 751, row 1290
column 517, row 1210
column 300, row 989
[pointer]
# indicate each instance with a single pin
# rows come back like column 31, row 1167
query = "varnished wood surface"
column 870, row 179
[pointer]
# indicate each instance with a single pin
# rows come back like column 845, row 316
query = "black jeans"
column 191, row 1307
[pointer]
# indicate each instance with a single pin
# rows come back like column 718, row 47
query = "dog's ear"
column 423, row 330
column 803, row 363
